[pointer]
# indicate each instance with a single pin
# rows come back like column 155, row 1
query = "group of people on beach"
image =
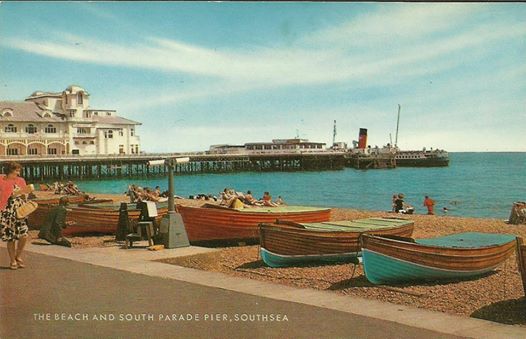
column 234, row 199
column 138, row 193
column 68, row 188
column 400, row 206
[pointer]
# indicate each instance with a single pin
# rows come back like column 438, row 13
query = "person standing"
column 430, row 204
column 12, row 195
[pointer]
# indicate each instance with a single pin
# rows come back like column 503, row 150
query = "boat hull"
column 279, row 260
column 220, row 224
column 38, row 217
column 438, row 162
column 91, row 219
column 288, row 244
column 521, row 261
column 394, row 261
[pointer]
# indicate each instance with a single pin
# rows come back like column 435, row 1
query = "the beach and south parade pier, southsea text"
column 162, row 317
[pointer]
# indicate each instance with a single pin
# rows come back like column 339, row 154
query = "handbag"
column 26, row 209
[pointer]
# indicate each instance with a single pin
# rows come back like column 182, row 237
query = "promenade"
column 116, row 293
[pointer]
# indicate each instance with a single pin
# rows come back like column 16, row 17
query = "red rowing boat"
column 212, row 222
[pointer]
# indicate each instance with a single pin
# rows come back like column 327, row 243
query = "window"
column 132, row 131
column 10, row 128
column 92, row 142
column 32, row 151
column 121, row 133
column 79, row 98
column 31, row 129
column 83, row 130
column 6, row 114
column 12, row 151
column 110, row 134
column 121, row 149
column 51, row 151
column 50, row 129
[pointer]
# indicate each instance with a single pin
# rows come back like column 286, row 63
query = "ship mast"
column 397, row 123
column 334, row 134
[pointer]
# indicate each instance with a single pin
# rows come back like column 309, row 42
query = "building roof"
column 40, row 94
column 26, row 111
column 112, row 119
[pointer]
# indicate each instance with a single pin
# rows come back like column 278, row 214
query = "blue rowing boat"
column 457, row 256
column 287, row 243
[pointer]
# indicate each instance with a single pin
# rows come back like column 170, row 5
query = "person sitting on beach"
column 394, row 202
column 249, row 199
column 267, row 200
column 149, row 195
column 279, row 201
column 230, row 199
column 58, row 188
column 399, row 203
column 132, row 193
column 72, row 189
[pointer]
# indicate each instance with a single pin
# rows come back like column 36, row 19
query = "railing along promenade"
column 71, row 166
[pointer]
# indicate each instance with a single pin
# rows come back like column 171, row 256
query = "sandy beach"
column 497, row 296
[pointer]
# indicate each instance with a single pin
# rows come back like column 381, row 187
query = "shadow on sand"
column 510, row 312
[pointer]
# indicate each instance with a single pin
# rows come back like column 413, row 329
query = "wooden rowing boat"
column 212, row 222
column 457, row 256
column 98, row 218
column 286, row 243
column 521, row 261
column 38, row 217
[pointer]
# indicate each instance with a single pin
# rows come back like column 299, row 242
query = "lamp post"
column 172, row 228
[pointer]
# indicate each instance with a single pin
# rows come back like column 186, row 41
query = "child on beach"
column 429, row 203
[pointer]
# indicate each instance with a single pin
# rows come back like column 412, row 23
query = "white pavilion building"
column 63, row 123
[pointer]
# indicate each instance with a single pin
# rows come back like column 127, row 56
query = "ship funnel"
column 362, row 138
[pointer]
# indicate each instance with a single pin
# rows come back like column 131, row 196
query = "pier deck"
column 108, row 166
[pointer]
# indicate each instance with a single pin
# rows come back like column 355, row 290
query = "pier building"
column 61, row 123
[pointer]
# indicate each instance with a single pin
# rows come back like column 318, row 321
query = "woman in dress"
column 13, row 230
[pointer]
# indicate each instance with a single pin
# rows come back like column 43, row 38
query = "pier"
column 60, row 167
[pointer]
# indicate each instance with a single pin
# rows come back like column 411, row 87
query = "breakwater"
column 122, row 166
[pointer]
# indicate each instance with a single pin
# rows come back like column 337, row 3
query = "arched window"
column 50, row 129
column 31, row 129
column 10, row 128
column 79, row 98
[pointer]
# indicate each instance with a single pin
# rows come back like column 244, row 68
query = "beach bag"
column 26, row 209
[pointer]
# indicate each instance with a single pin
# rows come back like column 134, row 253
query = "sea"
column 481, row 185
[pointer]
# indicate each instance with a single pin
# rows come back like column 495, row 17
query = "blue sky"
column 197, row 74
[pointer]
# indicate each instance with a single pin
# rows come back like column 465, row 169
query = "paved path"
column 114, row 293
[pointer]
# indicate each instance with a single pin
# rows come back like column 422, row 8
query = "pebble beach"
column 497, row 296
